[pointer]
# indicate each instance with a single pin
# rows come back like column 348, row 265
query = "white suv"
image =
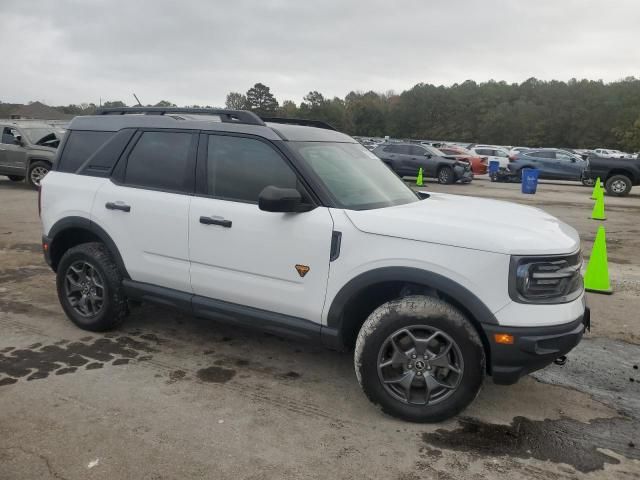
column 293, row 228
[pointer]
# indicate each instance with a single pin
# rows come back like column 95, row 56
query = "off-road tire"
column 37, row 166
column 15, row 178
column 446, row 176
column 431, row 313
column 114, row 304
column 618, row 185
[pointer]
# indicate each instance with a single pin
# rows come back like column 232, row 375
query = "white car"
column 517, row 150
column 493, row 154
column 301, row 231
column 609, row 153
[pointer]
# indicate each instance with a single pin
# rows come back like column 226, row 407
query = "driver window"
column 9, row 136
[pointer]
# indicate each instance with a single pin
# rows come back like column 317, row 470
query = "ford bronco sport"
column 296, row 229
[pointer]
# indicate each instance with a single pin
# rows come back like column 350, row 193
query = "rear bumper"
column 533, row 348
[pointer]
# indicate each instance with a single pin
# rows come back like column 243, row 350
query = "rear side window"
column 239, row 168
column 79, row 147
column 160, row 161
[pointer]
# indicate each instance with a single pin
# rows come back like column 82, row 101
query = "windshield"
column 355, row 177
column 35, row 134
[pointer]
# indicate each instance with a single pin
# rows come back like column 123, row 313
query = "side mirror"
column 19, row 140
column 276, row 199
column 428, row 155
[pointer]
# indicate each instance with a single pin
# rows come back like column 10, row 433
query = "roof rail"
column 227, row 116
column 300, row 121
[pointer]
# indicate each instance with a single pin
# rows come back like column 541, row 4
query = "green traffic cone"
column 596, row 278
column 598, row 208
column 597, row 189
column 419, row 179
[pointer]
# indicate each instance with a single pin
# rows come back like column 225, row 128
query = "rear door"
column 278, row 262
column 145, row 206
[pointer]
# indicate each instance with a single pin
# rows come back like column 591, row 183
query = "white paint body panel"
column 253, row 262
column 162, row 242
column 64, row 196
column 470, row 222
column 153, row 238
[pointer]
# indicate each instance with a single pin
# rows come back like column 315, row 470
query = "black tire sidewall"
column 460, row 330
column 15, row 178
column 111, row 314
column 627, row 180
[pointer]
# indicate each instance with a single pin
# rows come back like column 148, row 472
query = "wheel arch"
column 622, row 171
column 37, row 158
column 367, row 291
column 71, row 231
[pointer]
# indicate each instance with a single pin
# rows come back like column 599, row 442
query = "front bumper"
column 463, row 175
column 46, row 244
column 533, row 348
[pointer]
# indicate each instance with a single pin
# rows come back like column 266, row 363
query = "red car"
column 478, row 164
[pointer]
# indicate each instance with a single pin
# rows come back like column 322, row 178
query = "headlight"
column 555, row 279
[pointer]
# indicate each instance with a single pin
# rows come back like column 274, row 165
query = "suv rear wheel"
column 37, row 171
column 618, row 185
column 420, row 359
column 89, row 287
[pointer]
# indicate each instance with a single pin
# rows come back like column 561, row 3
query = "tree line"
column 574, row 114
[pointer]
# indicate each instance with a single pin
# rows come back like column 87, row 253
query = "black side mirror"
column 276, row 199
column 19, row 141
column 428, row 155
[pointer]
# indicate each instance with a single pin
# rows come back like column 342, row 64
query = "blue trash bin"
column 529, row 180
column 494, row 166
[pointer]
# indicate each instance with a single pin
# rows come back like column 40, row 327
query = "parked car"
column 516, row 150
column 618, row 174
column 492, row 153
column 301, row 231
column 609, row 153
column 27, row 150
column 478, row 164
column 552, row 164
column 406, row 159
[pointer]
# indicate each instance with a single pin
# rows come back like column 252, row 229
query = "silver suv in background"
column 27, row 150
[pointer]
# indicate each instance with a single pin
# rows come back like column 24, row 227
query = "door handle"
column 215, row 221
column 117, row 206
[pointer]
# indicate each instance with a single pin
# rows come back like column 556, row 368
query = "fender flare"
column 333, row 331
column 85, row 224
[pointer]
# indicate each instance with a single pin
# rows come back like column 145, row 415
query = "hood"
column 471, row 222
column 49, row 140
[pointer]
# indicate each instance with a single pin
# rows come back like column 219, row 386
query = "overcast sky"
column 195, row 52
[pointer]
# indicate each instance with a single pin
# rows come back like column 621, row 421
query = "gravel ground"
column 168, row 396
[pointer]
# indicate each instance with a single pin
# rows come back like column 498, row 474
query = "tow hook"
column 561, row 360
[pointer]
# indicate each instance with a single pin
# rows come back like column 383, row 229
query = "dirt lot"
column 169, row 396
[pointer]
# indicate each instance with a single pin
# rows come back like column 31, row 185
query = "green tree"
column 236, row 101
column 261, row 100
column 165, row 103
column 114, row 104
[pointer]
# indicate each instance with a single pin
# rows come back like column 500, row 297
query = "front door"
column 13, row 156
column 239, row 254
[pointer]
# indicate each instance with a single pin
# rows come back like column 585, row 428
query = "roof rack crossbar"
column 300, row 121
column 227, row 116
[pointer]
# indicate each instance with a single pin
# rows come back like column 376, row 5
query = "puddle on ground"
column 215, row 374
column 560, row 441
column 39, row 361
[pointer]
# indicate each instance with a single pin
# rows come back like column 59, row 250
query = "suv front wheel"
column 89, row 285
column 420, row 359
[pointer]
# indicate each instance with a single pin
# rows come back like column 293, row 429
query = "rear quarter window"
column 79, row 147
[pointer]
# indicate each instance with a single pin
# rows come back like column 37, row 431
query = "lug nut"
column 413, row 356
column 419, row 373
